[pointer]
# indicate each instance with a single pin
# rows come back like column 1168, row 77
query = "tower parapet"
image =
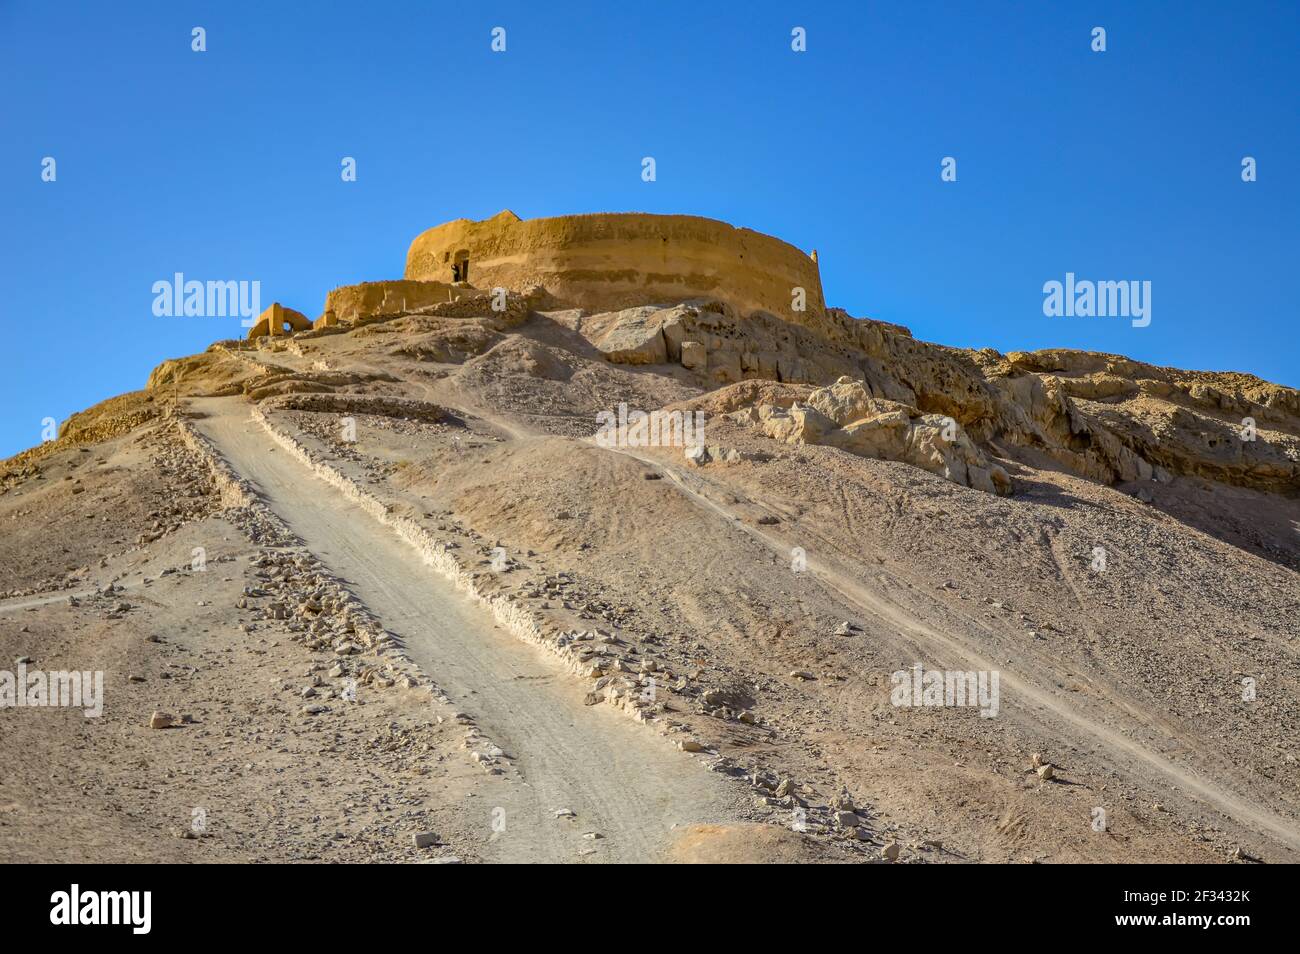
column 609, row 261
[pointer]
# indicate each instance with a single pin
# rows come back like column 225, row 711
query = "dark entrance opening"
column 460, row 267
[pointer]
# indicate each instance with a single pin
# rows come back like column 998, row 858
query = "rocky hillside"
column 859, row 502
column 1100, row 416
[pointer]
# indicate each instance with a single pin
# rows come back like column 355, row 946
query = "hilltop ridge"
column 1115, row 540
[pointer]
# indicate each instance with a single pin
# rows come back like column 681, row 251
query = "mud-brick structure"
column 608, row 261
column 279, row 320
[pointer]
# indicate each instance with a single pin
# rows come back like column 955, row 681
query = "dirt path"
column 623, row 782
column 1050, row 706
column 60, row 596
column 1033, row 692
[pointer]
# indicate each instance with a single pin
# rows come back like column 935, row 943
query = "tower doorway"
column 460, row 267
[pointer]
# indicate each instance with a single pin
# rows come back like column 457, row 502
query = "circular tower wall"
column 607, row 261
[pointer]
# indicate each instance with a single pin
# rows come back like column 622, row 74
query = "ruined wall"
column 350, row 304
column 278, row 320
column 612, row 260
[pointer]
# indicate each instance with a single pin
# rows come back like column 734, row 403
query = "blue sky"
column 225, row 165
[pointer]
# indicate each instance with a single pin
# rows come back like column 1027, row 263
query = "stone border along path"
column 569, row 647
column 774, row 792
column 237, row 494
column 576, row 767
column 510, row 613
column 284, row 553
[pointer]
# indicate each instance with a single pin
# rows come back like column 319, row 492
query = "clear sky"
column 225, row 165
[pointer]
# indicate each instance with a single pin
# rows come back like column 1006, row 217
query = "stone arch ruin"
column 279, row 320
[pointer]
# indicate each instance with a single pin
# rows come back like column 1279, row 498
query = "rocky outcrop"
column 672, row 300
column 632, row 336
column 719, row 303
column 709, row 337
column 1116, row 420
column 845, row 415
column 1103, row 417
column 104, row 421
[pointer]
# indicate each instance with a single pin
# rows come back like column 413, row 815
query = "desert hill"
column 438, row 581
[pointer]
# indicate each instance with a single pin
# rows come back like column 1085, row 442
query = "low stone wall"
column 380, row 406
column 516, row 619
column 264, row 528
column 353, row 304
column 570, row 649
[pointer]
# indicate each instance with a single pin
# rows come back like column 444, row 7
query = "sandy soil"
column 624, row 785
column 1127, row 681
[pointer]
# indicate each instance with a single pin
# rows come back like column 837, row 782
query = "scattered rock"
column 425, row 839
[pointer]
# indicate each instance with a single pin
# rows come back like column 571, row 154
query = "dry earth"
column 434, row 603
